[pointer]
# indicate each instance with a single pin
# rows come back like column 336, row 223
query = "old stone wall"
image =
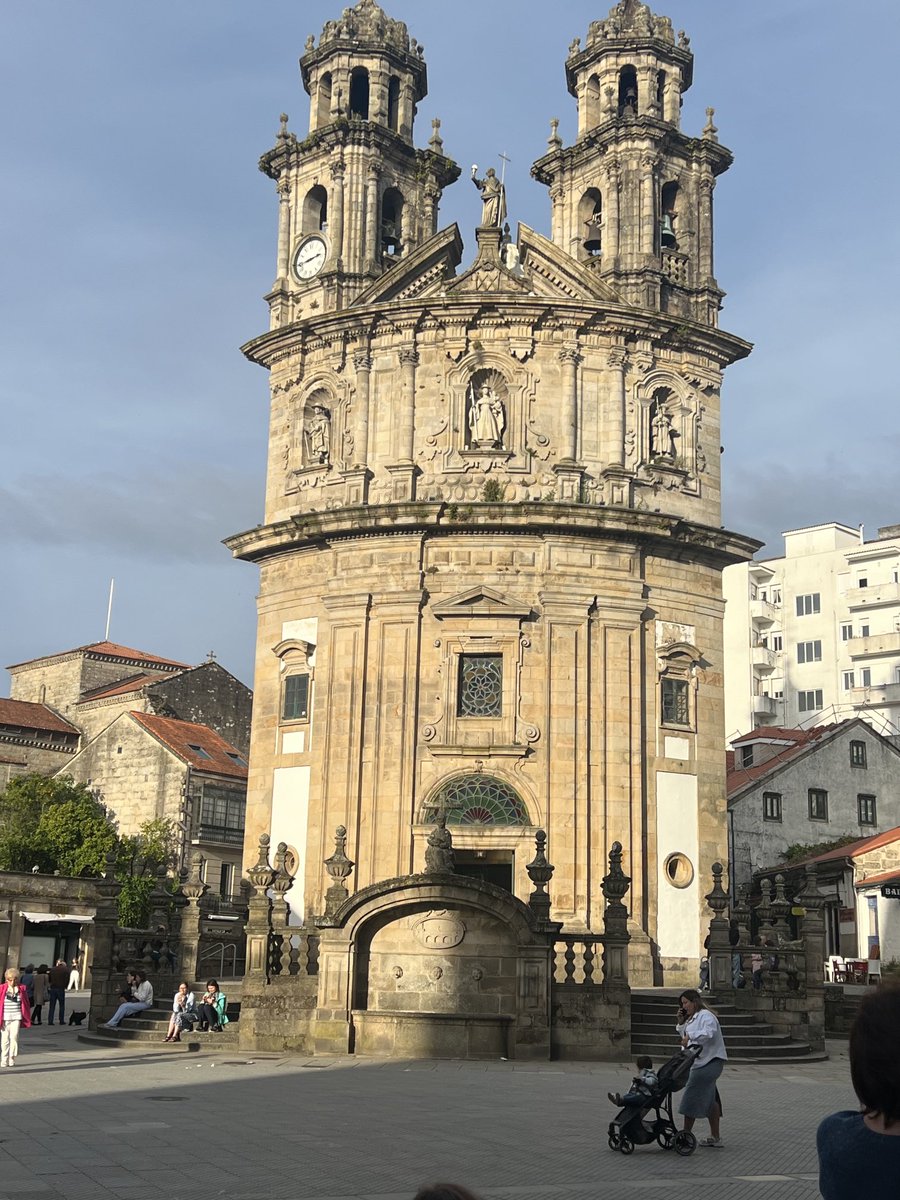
column 37, row 756
column 591, row 1023
column 208, row 695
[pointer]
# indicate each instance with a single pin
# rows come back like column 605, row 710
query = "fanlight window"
column 476, row 800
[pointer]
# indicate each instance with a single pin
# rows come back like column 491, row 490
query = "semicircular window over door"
column 476, row 800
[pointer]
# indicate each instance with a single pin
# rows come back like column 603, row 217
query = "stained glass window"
column 480, row 685
column 477, row 800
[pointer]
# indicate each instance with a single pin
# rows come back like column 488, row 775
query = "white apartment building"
column 814, row 636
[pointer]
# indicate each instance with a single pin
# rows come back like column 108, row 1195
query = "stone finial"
column 684, row 42
column 554, row 141
column 283, row 880
column 717, row 899
column 810, row 897
column 193, row 887
column 338, row 866
column 283, row 134
column 261, row 873
column 310, row 43
column 439, row 855
column 436, row 142
column 615, row 883
column 367, row 22
column 575, row 47
column 710, row 130
column 540, row 872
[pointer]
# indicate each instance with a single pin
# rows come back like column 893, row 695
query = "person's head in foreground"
column 875, row 1055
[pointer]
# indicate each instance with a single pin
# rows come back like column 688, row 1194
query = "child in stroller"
column 651, row 1093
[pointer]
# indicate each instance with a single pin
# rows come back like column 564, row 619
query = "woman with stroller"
column 698, row 1026
column 855, row 1146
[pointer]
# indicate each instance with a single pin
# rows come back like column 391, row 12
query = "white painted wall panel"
column 677, row 832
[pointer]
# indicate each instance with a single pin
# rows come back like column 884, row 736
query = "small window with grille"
column 676, row 707
column 480, row 691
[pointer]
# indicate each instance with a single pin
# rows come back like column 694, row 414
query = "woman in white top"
column 699, row 1026
column 143, row 999
column 184, row 1013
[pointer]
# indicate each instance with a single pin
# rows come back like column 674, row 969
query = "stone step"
column 656, row 1016
column 762, row 1051
column 109, row 1039
column 156, row 1037
column 159, row 1024
column 663, row 1038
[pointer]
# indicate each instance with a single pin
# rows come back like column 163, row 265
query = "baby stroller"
column 634, row 1125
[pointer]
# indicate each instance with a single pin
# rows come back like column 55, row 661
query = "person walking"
column 40, row 992
column 854, row 1146
column 59, row 981
column 74, row 984
column 143, row 998
column 15, row 1012
column 698, row 1026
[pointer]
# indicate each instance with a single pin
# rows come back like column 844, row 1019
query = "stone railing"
column 578, row 960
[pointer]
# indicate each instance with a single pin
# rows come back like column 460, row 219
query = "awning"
column 46, row 918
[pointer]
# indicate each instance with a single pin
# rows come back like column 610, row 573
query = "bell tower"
column 355, row 195
column 633, row 198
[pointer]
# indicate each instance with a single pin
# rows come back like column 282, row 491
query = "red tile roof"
column 185, row 737
column 132, row 684
column 777, row 733
column 106, row 650
column 738, row 777
column 881, row 877
column 861, row 846
column 33, row 716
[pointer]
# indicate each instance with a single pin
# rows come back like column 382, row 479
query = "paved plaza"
column 80, row 1122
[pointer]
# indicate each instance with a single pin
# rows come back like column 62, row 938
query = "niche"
column 668, row 231
column 391, row 223
column 628, row 92
column 323, row 106
column 393, row 104
column 359, row 93
column 590, row 211
column 315, row 210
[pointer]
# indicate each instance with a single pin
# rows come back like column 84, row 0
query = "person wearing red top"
column 15, row 1011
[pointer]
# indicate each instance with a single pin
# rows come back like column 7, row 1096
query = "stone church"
column 491, row 557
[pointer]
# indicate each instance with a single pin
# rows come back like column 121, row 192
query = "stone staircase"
column 748, row 1038
column 149, row 1029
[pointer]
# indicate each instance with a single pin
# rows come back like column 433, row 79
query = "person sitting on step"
column 211, row 1009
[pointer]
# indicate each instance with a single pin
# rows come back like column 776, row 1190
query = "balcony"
column 763, row 660
column 763, row 707
column 224, row 835
column 879, row 595
column 879, row 645
column 876, row 696
column 764, row 613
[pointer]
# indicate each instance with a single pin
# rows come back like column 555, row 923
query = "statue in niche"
column 487, row 417
column 493, row 198
column 662, row 433
column 317, row 436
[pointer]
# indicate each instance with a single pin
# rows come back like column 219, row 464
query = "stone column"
column 615, row 921
column 362, row 363
column 705, row 265
column 194, row 890
column 611, row 217
column 648, row 205
column 720, row 978
column 259, row 921
column 336, row 215
column 570, row 358
column 378, row 99
column 407, row 109
column 282, row 267
column 409, row 360
column 813, row 933
column 557, row 195
column 104, row 975
column 617, row 360
column 372, row 250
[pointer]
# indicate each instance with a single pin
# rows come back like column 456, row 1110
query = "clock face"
column 310, row 257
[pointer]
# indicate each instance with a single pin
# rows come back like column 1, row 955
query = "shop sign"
column 891, row 891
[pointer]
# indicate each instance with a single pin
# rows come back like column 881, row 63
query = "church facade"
column 490, row 562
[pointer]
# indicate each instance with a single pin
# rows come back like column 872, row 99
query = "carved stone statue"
column 487, row 417
column 439, row 855
column 661, row 433
column 318, row 436
column 493, row 198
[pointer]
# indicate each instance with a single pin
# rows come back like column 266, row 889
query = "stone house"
column 136, row 726
column 805, row 787
column 861, row 882
column 146, row 766
column 33, row 737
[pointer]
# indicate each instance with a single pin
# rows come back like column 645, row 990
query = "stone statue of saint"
column 661, row 433
column 318, row 436
column 439, row 855
column 487, row 417
column 493, row 198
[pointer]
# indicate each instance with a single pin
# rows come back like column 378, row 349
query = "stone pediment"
column 553, row 273
column 482, row 602
column 423, row 272
column 488, row 272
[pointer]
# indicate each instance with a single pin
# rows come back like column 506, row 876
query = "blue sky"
column 139, row 239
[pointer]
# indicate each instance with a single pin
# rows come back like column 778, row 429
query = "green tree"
column 139, row 857
column 54, row 824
